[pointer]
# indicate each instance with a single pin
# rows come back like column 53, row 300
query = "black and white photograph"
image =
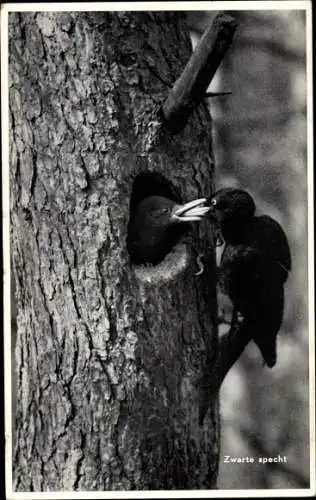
column 157, row 182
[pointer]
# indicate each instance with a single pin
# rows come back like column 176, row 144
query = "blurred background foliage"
column 260, row 144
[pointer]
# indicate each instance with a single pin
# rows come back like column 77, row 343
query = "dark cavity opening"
column 148, row 184
column 152, row 184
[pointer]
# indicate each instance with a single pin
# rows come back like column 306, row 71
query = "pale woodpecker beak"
column 190, row 212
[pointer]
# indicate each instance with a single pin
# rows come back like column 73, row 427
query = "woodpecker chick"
column 254, row 266
column 156, row 226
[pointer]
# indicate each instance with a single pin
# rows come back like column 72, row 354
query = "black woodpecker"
column 254, row 266
column 156, row 225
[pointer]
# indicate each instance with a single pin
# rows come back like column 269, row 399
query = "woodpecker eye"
column 214, row 201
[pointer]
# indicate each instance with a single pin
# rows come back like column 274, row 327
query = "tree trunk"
column 108, row 356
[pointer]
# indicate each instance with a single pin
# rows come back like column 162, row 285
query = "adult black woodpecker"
column 156, row 225
column 254, row 266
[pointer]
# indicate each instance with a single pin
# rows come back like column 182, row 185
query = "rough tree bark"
column 108, row 356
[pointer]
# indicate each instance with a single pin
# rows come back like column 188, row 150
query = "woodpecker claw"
column 239, row 317
column 200, row 264
column 219, row 242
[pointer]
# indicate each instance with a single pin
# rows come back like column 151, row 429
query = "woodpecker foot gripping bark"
column 200, row 264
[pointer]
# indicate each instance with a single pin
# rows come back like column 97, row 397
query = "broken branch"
column 189, row 89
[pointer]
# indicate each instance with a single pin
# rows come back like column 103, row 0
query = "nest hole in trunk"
column 147, row 184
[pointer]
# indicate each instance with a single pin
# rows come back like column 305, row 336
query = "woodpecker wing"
column 242, row 273
column 269, row 236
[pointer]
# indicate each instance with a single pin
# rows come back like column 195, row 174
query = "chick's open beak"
column 191, row 211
